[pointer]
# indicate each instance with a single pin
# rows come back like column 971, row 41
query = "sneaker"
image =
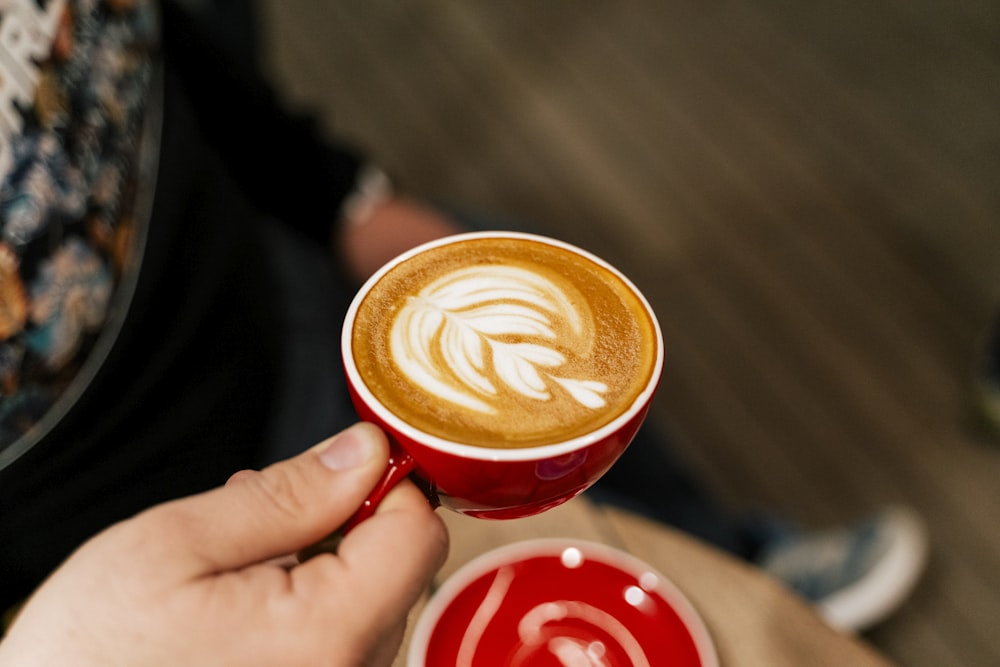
column 856, row 576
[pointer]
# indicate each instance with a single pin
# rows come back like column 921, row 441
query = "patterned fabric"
column 75, row 76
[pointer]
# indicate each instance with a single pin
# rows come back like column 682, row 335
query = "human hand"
column 200, row 581
column 388, row 229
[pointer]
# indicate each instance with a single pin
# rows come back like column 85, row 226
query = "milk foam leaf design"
column 515, row 365
column 411, row 343
column 479, row 286
column 509, row 319
column 586, row 392
column 462, row 348
column 477, row 327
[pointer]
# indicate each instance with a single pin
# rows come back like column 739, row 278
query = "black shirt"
column 181, row 395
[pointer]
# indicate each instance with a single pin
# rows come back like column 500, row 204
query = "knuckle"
column 283, row 491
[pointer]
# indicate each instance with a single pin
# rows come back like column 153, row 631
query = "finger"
column 384, row 654
column 353, row 603
column 406, row 519
column 387, row 560
column 240, row 476
column 265, row 515
column 288, row 561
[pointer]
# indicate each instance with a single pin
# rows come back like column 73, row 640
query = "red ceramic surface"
column 559, row 603
column 506, row 483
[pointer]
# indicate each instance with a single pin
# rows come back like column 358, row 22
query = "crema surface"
column 503, row 342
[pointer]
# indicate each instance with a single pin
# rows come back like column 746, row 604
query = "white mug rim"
column 489, row 453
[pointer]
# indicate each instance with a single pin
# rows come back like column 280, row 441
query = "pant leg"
column 312, row 401
column 649, row 479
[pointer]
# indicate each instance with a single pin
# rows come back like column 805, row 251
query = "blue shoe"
column 856, row 576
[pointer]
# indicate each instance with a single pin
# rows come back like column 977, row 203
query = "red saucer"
column 559, row 603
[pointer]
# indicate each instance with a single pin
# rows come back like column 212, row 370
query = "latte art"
column 452, row 338
column 506, row 341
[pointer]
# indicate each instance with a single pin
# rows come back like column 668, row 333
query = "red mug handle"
column 400, row 465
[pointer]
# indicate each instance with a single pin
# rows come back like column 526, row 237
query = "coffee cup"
column 509, row 370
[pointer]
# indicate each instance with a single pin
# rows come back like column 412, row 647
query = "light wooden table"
column 753, row 619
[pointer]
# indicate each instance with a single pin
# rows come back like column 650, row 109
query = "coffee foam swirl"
column 503, row 342
column 450, row 338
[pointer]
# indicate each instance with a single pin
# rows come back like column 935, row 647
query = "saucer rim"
column 523, row 550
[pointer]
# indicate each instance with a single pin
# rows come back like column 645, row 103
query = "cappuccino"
column 504, row 341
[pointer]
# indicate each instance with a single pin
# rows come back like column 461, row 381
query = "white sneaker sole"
column 873, row 598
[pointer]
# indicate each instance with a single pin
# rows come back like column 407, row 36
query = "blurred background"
column 808, row 193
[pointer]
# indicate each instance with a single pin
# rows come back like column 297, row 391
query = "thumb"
column 282, row 509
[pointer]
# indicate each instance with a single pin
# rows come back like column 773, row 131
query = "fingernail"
column 347, row 450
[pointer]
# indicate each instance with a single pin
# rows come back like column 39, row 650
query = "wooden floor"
column 808, row 193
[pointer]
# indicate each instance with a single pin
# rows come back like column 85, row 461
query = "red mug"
column 482, row 480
